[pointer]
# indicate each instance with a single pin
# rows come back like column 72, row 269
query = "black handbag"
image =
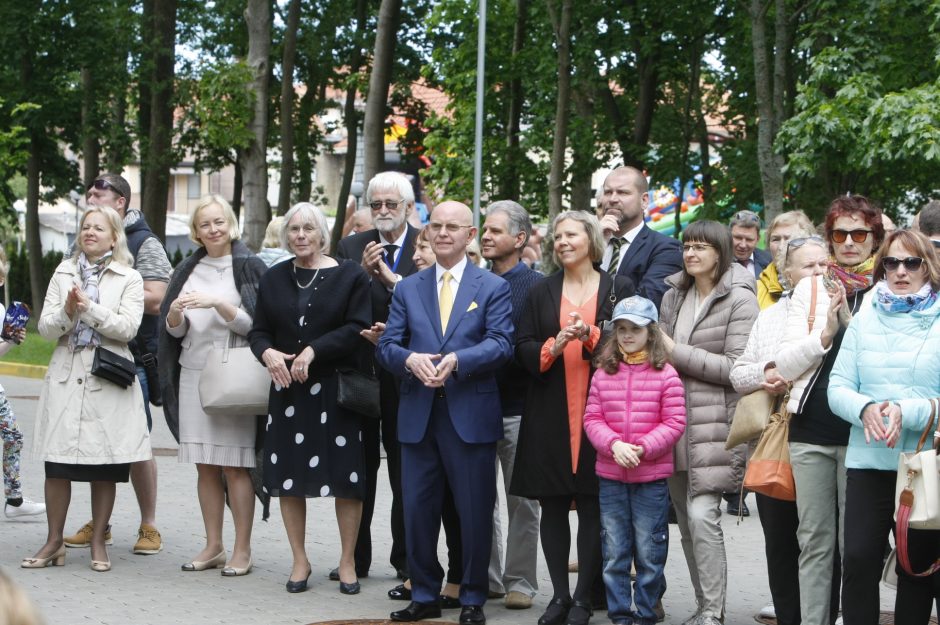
column 358, row 392
column 114, row 368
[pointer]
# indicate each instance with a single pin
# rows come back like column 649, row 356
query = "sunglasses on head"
column 911, row 263
column 800, row 242
column 859, row 236
column 103, row 185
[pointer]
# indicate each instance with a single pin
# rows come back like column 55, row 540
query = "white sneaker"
column 26, row 509
column 768, row 611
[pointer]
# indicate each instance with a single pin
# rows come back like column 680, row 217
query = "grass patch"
column 35, row 350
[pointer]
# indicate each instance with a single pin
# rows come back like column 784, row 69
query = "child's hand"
column 625, row 454
column 19, row 335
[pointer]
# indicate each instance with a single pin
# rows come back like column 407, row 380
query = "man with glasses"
column 745, row 232
column 390, row 198
column 449, row 333
column 151, row 261
column 633, row 249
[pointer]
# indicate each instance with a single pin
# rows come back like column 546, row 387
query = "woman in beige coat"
column 707, row 316
column 89, row 429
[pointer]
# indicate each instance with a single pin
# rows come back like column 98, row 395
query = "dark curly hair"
column 609, row 356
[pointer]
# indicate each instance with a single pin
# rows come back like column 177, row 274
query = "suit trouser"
column 375, row 434
column 703, row 543
column 819, row 474
column 470, row 468
column 522, row 540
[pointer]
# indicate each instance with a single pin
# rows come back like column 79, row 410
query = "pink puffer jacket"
column 637, row 405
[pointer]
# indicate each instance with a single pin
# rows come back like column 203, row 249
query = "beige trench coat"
column 84, row 419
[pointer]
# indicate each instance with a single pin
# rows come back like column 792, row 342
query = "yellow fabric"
column 769, row 288
column 445, row 300
column 634, row 358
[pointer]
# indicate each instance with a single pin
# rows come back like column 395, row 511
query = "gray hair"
column 517, row 217
column 592, row 226
column 391, row 181
column 745, row 219
column 309, row 214
column 783, row 258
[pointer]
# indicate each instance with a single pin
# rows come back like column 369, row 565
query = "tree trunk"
column 287, row 107
column 304, row 162
column 237, row 187
column 769, row 163
column 116, row 155
column 254, row 157
column 160, row 153
column 581, row 195
column 37, row 282
column 351, row 118
column 90, row 146
column 556, row 180
column 144, row 93
column 509, row 178
column 373, row 128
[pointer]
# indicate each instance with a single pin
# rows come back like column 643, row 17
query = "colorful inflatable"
column 661, row 214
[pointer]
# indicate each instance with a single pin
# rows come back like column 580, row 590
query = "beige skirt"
column 206, row 439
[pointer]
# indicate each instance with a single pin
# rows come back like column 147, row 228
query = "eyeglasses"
column 859, row 236
column 800, row 242
column 698, row 248
column 103, row 185
column 911, row 263
column 435, row 227
column 389, row 204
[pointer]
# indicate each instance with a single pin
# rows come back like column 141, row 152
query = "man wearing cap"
column 151, row 261
column 745, row 232
column 633, row 249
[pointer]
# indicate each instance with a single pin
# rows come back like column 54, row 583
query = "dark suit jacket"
column 479, row 332
column 650, row 259
column 352, row 247
column 761, row 260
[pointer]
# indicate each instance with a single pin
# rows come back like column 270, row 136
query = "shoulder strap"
column 812, row 304
column 933, row 415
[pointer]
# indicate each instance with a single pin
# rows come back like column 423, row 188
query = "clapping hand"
column 422, row 367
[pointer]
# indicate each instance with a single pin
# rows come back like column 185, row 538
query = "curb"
column 22, row 371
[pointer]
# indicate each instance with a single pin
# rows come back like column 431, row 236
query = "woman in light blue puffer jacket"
column 885, row 374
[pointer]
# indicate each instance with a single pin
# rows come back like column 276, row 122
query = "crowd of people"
column 606, row 388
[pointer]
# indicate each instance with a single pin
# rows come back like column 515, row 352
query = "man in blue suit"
column 634, row 249
column 448, row 333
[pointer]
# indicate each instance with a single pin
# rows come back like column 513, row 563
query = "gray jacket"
column 719, row 335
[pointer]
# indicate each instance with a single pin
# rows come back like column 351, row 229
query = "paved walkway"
column 153, row 590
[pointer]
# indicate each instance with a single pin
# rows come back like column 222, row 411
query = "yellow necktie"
column 445, row 300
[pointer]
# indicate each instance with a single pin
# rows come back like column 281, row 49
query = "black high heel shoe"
column 298, row 586
column 350, row 589
column 580, row 613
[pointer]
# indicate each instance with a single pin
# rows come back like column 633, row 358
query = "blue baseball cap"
column 636, row 309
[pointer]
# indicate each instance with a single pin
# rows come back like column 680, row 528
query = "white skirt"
column 206, row 439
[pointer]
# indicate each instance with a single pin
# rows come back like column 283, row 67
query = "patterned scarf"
column 891, row 303
column 855, row 278
column 84, row 335
column 634, row 358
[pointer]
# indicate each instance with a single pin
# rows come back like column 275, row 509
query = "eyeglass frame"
column 388, row 204
column 845, row 234
column 698, row 248
column 897, row 262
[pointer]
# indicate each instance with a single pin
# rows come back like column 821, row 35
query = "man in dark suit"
column 633, row 249
column 745, row 232
column 449, row 331
column 390, row 199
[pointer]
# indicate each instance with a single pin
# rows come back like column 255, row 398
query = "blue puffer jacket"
column 893, row 357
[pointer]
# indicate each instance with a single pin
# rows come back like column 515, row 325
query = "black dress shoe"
column 350, row 589
column 400, row 593
column 556, row 613
column 449, row 603
column 472, row 615
column 580, row 613
column 334, row 574
column 298, row 586
column 416, row 612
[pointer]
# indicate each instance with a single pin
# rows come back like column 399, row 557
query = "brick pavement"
column 153, row 590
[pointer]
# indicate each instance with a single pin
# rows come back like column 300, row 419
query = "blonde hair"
column 234, row 231
column 591, row 226
column 119, row 252
column 272, row 234
column 15, row 606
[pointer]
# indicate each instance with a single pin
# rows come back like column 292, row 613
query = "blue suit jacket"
column 651, row 258
column 479, row 332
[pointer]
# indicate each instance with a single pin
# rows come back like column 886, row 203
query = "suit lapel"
column 406, row 264
column 466, row 292
column 637, row 245
column 428, row 292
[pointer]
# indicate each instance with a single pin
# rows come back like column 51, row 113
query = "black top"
column 512, row 379
column 815, row 423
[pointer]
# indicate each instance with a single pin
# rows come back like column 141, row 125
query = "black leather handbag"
column 358, row 392
column 114, row 368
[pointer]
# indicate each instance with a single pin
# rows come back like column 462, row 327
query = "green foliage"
column 17, row 284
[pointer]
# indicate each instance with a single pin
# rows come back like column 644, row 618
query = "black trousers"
column 869, row 518
column 377, row 433
column 917, row 595
column 779, row 522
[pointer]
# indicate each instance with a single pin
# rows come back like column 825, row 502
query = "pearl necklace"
column 304, row 286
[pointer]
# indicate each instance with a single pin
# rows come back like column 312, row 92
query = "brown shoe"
column 149, row 541
column 516, row 600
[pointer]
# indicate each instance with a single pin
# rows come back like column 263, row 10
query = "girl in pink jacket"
column 635, row 415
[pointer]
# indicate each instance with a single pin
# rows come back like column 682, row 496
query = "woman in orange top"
column 556, row 337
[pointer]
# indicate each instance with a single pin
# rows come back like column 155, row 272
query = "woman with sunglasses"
column 758, row 368
column 883, row 378
column 707, row 316
column 818, row 438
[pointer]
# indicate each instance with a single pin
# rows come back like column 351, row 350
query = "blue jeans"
column 142, row 378
column 634, row 528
